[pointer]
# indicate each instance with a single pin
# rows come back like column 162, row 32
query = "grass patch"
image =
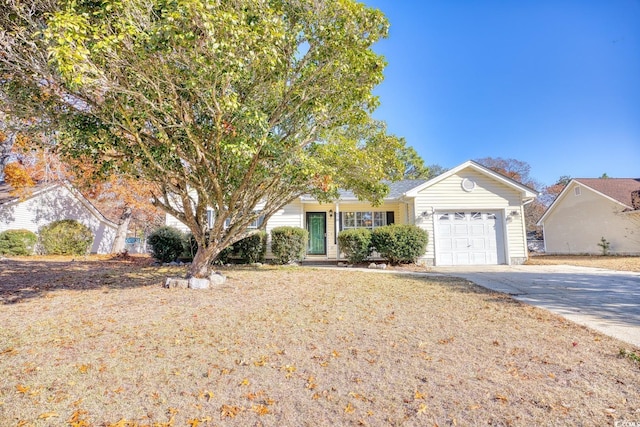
column 100, row 342
column 622, row 263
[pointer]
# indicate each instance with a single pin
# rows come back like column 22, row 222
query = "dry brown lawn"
column 625, row 263
column 101, row 343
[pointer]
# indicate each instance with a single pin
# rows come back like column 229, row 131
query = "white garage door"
column 468, row 238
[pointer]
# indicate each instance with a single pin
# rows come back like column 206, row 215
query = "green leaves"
column 241, row 102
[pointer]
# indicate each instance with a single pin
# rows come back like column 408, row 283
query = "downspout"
column 336, row 229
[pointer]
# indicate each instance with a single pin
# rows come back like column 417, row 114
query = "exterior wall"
column 577, row 223
column 172, row 221
column 53, row 205
column 488, row 195
column 333, row 223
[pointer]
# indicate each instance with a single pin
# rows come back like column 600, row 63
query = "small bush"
column 252, row 248
column 166, row 243
column 65, row 237
column 288, row 244
column 355, row 244
column 17, row 242
column 400, row 243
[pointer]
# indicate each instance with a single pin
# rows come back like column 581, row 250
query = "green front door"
column 317, row 228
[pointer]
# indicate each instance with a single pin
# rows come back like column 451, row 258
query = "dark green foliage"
column 245, row 251
column 17, row 242
column 288, row 244
column 65, row 237
column 252, row 248
column 400, row 243
column 355, row 244
column 166, row 243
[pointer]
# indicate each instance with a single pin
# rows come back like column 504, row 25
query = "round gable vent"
column 468, row 185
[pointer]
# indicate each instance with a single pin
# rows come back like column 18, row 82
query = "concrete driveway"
column 605, row 300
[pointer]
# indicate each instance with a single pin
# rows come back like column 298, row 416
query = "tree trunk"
column 200, row 266
column 121, row 232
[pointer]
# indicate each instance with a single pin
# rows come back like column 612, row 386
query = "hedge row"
column 397, row 243
column 64, row 237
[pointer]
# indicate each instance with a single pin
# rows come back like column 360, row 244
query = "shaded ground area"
column 103, row 343
column 608, row 262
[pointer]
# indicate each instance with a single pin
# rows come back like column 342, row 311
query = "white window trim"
column 382, row 218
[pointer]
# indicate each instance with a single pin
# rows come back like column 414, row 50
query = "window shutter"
column 390, row 217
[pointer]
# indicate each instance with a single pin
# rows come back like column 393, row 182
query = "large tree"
column 227, row 105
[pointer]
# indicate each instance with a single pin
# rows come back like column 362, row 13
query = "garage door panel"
column 478, row 230
column 461, row 229
column 467, row 238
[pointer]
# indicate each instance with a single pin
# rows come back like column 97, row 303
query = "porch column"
column 336, row 228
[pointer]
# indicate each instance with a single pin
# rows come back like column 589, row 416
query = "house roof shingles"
column 396, row 190
column 619, row 189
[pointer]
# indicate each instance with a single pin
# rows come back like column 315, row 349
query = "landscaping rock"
column 217, row 279
column 382, row 266
column 176, row 283
column 196, row 283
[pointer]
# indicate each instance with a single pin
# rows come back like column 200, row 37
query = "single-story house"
column 589, row 209
column 473, row 216
column 45, row 203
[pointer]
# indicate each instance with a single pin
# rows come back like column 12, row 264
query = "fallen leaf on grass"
column 418, row 395
column 446, row 340
column 76, row 419
column 9, row 351
column 195, row 422
column 206, row 394
column 22, row 389
column 48, row 415
column 260, row 409
column 502, row 398
column 228, row 411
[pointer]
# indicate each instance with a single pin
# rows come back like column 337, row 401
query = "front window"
column 368, row 220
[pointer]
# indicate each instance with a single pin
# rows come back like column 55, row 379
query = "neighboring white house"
column 46, row 203
column 473, row 216
column 589, row 209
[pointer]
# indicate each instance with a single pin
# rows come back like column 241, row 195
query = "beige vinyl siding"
column 577, row 223
column 172, row 221
column 56, row 204
column 489, row 195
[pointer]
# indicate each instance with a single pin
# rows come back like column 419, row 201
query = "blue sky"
column 552, row 83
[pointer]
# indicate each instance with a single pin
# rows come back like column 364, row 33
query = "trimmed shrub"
column 288, row 244
column 17, row 242
column 247, row 251
column 65, row 237
column 355, row 244
column 252, row 248
column 400, row 243
column 166, row 243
